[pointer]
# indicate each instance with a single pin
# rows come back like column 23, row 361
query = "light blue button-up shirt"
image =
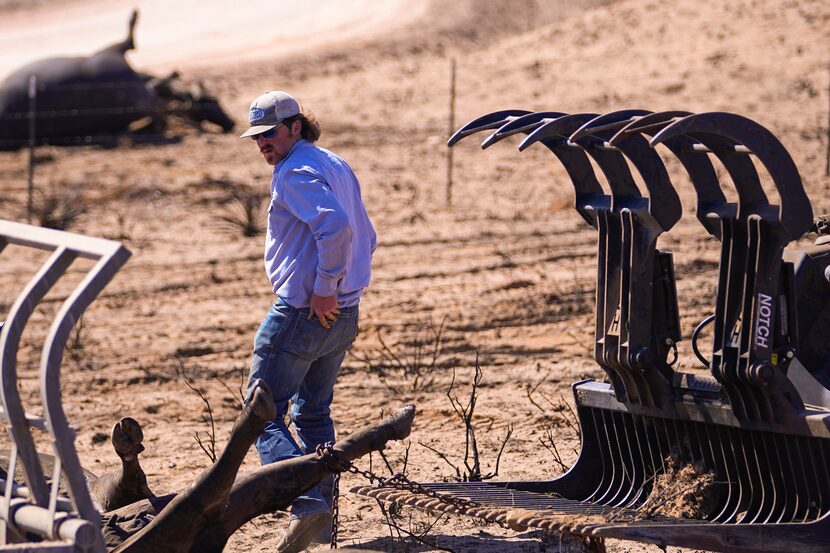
column 319, row 238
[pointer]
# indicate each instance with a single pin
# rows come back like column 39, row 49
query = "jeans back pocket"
column 309, row 337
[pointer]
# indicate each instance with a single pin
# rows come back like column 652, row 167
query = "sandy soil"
column 508, row 268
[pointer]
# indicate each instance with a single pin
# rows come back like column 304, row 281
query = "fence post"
column 451, row 129
column 32, row 129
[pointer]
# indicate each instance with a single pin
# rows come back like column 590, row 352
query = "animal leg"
column 127, row 438
column 202, row 519
column 129, row 42
column 176, row 527
column 128, row 485
column 276, row 485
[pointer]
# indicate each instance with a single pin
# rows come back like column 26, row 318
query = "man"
column 318, row 251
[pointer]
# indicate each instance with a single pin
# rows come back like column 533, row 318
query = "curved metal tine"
column 766, row 492
column 820, row 466
column 796, row 491
column 609, row 123
column 525, row 124
column 795, row 212
column 664, row 204
column 576, row 164
column 821, row 484
column 553, row 135
column 751, row 196
column 62, row 434
column 771, row 474
column 649, row 124
column 589, row 194
column 639, row 237
column 647, row 460
column 638, row 465
column 731, row 290
column 18, row 316
column 723, row 446
column 657, row 464
column 490, row 121
column 607, row 476
column 702, row 173
column 753, row 492
column 611, row 163
column 811, row 485
column 744, row 489
column 630, row 465
column 714, row 464
column 617, row 470
column 707, row 457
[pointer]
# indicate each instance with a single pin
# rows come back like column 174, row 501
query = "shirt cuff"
column 325, row 286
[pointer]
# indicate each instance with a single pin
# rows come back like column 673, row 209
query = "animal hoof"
column 402, row 422
column 260, row 402
column 127, row 437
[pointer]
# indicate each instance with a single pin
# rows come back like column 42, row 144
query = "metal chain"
column 401, row 482
column 329, row 457
column 821, row 225
column 398, row 481
column 335, row 510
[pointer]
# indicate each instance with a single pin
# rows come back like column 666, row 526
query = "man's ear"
column 296, row 127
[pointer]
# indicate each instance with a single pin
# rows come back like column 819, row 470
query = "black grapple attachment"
column 752, row 439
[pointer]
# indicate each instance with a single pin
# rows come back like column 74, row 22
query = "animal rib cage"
column 755, row 436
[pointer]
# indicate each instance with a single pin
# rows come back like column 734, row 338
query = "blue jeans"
column 299, row 359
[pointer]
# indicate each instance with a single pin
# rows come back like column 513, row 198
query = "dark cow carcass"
column 95, row 99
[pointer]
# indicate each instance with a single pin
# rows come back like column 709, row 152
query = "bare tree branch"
column 472, row 459
column 529, row 391
column 444, row 457
column 549, row 443
column 210, row 447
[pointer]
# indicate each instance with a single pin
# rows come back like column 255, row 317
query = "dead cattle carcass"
column 737, row 460
column 76, row 100
column 65, row 513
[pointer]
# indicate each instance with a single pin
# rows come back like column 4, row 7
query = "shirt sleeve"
column 308, row 197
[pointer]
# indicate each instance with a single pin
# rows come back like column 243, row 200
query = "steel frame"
column 71, row 524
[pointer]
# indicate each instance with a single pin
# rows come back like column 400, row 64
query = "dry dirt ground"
column 507, row 270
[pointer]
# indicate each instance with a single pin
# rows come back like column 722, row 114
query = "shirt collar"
column 291, row 151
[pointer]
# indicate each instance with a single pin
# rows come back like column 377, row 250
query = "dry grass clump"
column 416, row 360
column 57, row 209
column 246, row 214
column 683, row 490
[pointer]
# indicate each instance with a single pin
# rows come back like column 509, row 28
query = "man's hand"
column 324, row 307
